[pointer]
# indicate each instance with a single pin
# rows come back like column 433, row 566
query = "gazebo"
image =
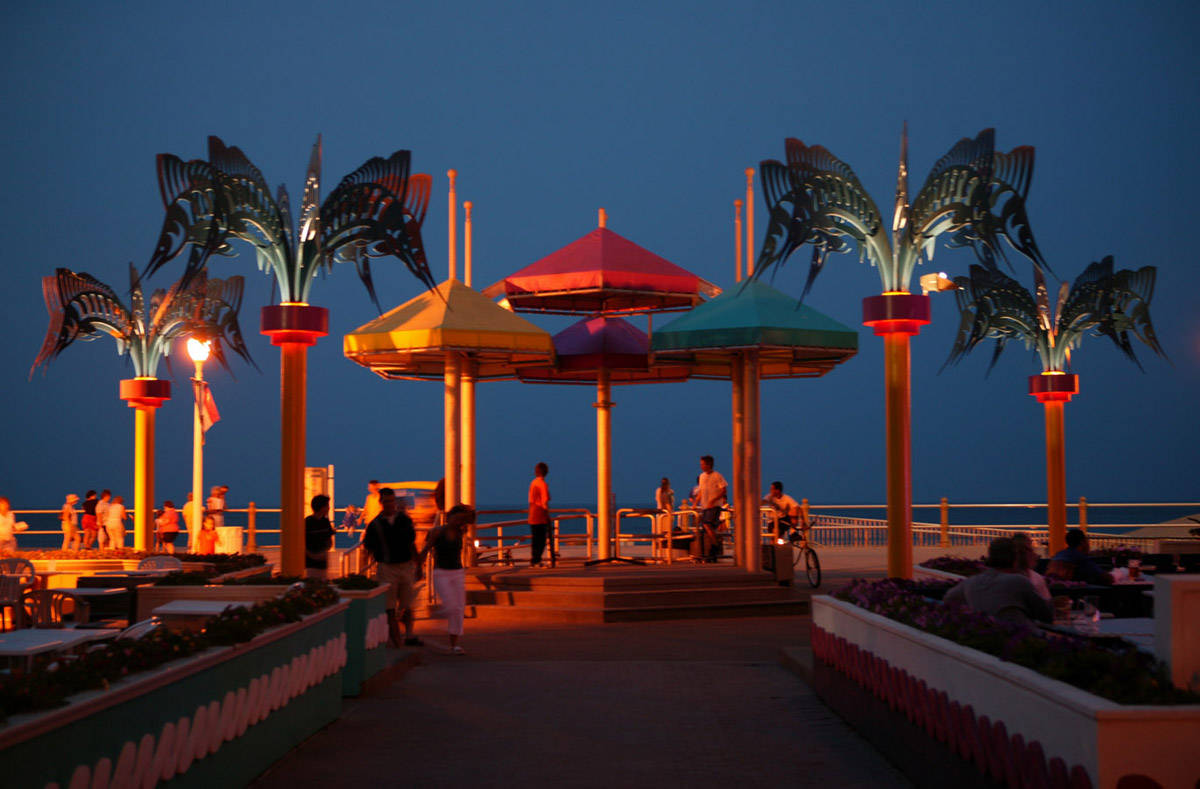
column 750, row 332
column 602, row 275
column 437, row 335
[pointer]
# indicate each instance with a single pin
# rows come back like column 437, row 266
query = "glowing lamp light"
column 933, row 283
column 780, row 541
column 477, row 543
column 197, row 350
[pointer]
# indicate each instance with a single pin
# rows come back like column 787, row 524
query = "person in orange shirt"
column 539, row 514
column 206, row 540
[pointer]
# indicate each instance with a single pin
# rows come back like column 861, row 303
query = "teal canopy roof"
column 794, row 340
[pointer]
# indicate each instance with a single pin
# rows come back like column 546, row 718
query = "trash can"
column 777, row 559
column 229, row 539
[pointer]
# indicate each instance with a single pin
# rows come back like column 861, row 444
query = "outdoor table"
column 130, row 581
column 94, row 594
column 192, row 614
column 30, row 642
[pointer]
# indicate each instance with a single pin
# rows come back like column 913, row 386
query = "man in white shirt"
column 102, row 518
column 115, row 525
column 790, row 516
column 216, row 505
column 713, row 489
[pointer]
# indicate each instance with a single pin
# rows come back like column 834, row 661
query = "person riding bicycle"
column 791, row 516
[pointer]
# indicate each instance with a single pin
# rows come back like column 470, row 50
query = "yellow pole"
column 252, row 529
column 470, row 368
column 452, row 227
column 737, row 495
column 604, row 406
column 1083, row 516
column 293, row 408
column 602, row 218
column 467, row 243
column 749, row 221
column 453, row 422
column 898, row 397
column 753, row 464
column 143, row 477
column 737, row 245
column 197, row 466
column 1056, row 476
column 945, row 522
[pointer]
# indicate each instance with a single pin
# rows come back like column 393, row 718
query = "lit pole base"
column 293, row 327
column 145, row 396
column 896, row 317
column 1053, row 391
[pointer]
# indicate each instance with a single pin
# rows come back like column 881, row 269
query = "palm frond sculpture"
column 973, row 194
column 375, row 211
column 1113, row 304
column 82, row 307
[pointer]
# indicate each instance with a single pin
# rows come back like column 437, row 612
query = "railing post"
column 1083, row 524
column 945, row 522
column 251, row 529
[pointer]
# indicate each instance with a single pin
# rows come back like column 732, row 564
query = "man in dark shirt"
column 391, row 540
column 318, row 538
column 1072, row 563
column 1001, row 590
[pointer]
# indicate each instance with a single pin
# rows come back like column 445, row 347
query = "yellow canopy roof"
column 411, row 341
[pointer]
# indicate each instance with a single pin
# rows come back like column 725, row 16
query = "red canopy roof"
column 602, row 273
column 584, row 348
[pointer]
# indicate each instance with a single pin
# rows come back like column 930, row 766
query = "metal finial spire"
column 900, row 217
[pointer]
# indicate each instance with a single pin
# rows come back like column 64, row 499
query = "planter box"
column 366, row 637
column 218, row 718
column 1016, row 724
column 151, row 597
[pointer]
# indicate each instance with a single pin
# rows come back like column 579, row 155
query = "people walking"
column 391, row 540
column 9, row 526
column 115, row 525
column 449, row 576
column 168, row 526
column 69, row 517
column 664, row 502
column 713, row 496
column 102, row 518
column 89, row 520
column 539, row 514
column 318, row 538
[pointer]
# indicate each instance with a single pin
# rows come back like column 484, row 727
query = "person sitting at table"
column 1073, row 564
column 1002, row 589
column 1027, row 560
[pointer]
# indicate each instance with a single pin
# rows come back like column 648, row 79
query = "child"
column 168, row 526
column 206, row 540
column 70, row 523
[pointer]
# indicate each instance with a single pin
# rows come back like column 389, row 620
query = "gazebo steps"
column 604, row 578
column 630, row 598
column 594, row 615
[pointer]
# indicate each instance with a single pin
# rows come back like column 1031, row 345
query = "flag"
column 209, row 415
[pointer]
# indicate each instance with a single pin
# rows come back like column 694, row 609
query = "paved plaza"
column 671, row 703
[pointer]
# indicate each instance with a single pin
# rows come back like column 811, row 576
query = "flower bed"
column 254, row 685
column 964, row 678
column 958, row 565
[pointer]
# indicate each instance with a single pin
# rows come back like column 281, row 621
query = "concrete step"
column 571, row 597
column 613, row 579
column 590, row 615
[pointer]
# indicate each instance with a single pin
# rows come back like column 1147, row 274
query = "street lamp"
column 198, row 351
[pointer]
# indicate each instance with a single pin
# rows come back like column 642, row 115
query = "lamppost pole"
column 198, row 351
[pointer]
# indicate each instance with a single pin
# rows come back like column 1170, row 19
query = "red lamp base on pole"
column 1054, row 387
column 299, row 323
column 150, row 392
column 144, row 395
column 896, row 313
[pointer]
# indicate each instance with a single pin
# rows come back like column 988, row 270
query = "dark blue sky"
column 652, row 110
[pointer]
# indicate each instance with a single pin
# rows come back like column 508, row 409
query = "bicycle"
column 805, row 553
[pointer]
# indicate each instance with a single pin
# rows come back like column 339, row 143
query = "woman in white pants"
column 449, row 577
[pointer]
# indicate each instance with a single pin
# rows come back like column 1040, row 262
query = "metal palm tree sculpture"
column 375, row 211
column 1100, row 301
column 83, row 308
column 973, row 195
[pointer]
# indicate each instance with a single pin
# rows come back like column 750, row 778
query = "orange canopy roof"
column 412, row 340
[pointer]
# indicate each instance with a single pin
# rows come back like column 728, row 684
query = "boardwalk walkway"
column 691, row 703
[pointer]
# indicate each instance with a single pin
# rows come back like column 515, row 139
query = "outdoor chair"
column 46, row 608
column 161, row 562
column 139, row 630
column 22, row 567
column 11, row 588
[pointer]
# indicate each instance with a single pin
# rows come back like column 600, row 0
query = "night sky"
column 651, row 110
